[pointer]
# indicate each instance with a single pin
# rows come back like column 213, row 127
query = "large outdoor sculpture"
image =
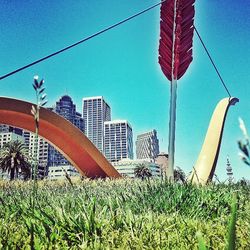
column 206, row 163
column 62, row 134
column 81, row 152
column 175, row 56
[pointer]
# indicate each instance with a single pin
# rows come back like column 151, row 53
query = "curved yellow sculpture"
column 62, row 134
column 206, row 163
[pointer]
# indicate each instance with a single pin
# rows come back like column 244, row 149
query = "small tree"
column 142, row 171
column 40, row 102
column 14, row 159
column 35, row 111
column 243, row 182
column 179, row 175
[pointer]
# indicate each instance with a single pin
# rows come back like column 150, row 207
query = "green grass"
column 122, row 214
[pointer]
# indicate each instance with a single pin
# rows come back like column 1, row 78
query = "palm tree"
column 14, row 160
column 179, row 175
column 142, row 171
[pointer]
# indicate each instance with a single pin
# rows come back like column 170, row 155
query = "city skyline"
column 66, row 108
column 122, row 66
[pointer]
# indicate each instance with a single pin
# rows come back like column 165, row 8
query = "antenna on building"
column 229, row 171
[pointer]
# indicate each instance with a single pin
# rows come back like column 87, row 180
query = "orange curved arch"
column 62, row 134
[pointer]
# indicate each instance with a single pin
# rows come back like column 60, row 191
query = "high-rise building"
column 118, row 140
column 147, row 145
column 42, row 151
column 95, row 112
column 9, row 136
column 47, row 154
column 9, row 129
column 162, row 161
column 4, row 128
column 67, row 109
column 78, row 121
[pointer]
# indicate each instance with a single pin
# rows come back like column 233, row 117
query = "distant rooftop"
column 95, row 98
column 66, row 98
column 117, row 122
column 147, row 133
column 92, row 97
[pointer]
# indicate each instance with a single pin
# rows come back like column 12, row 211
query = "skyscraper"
column 118, row 138
column 9, row 129
column 42, row 151
column 6, row 137
column 67, row 109
column 147, row 145
column 95, row 112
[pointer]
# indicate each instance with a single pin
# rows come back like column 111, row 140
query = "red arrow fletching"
column 176, row 37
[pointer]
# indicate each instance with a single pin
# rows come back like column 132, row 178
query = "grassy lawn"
column 121, row 214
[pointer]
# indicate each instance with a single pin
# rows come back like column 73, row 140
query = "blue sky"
column 122, row 65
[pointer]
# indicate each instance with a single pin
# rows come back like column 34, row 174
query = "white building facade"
column 9, row 136
column 95, row 112
column 118, row 140
column 60, row 172
column 147, row 145
column 126, row 167
column 42, row 152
